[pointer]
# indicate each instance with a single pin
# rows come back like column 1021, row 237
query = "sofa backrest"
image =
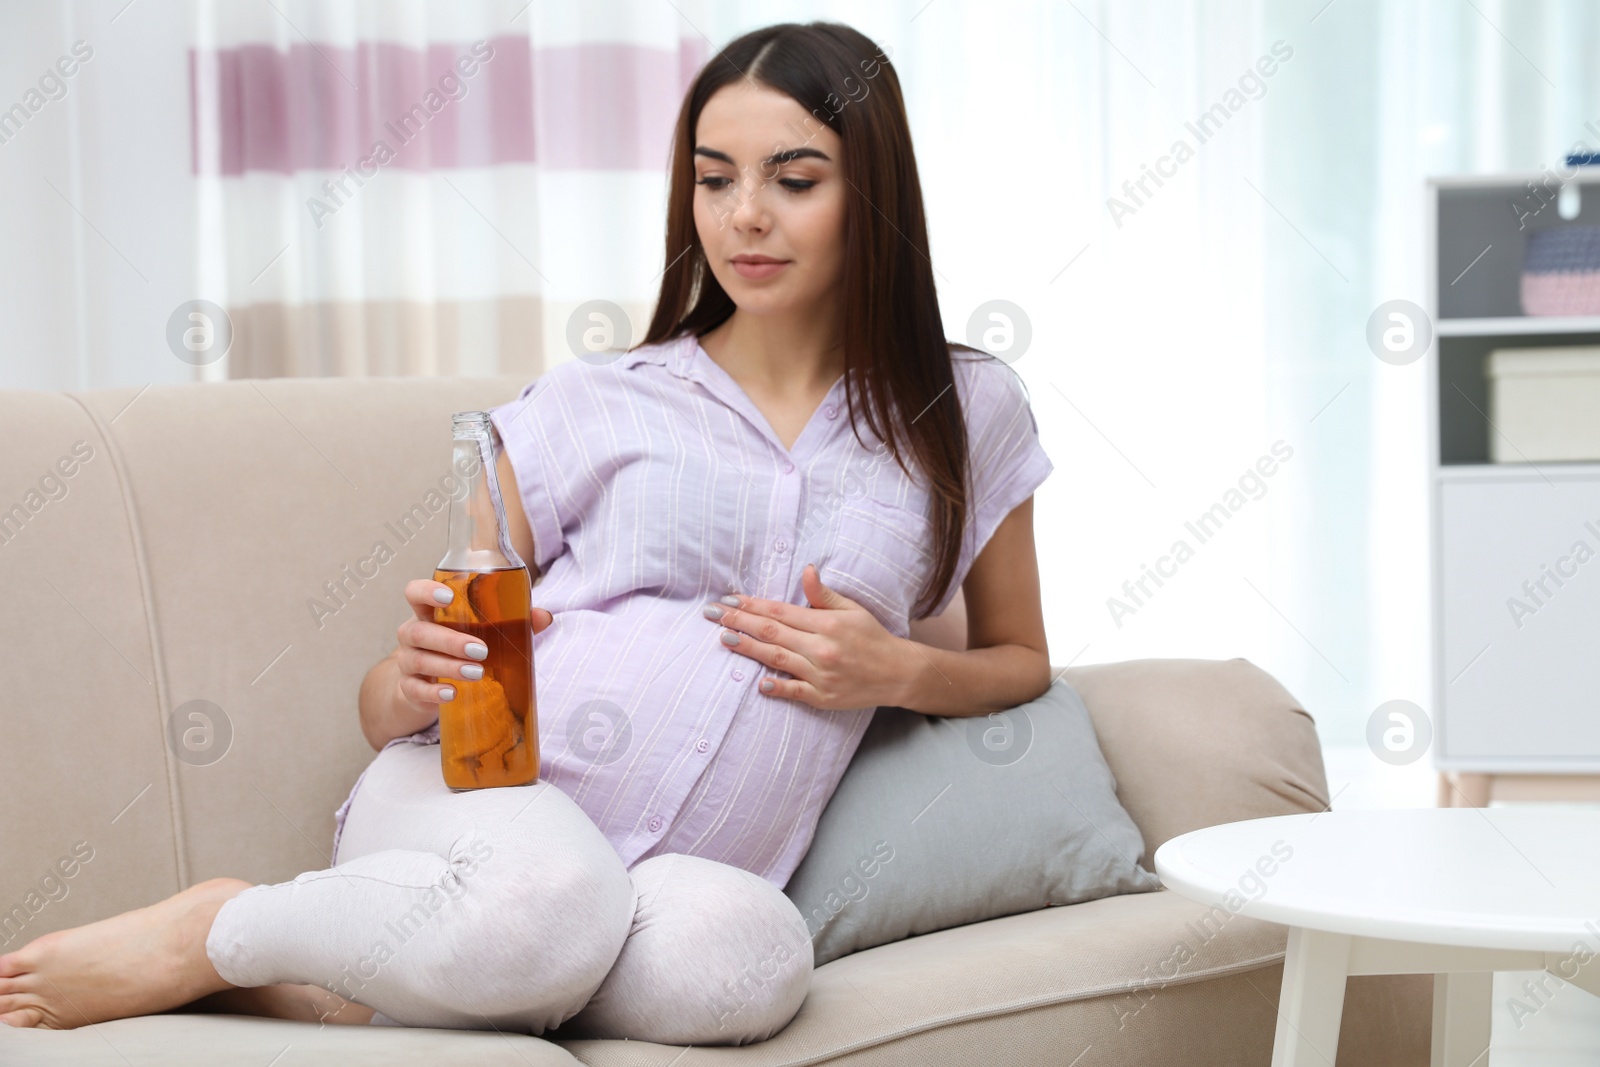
column 168, row 545
column 203, row 574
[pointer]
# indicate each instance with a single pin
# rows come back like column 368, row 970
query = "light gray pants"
column 508, row 909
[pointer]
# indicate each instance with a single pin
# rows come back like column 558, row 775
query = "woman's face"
column 768, row 186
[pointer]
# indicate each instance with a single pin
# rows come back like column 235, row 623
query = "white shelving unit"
column 1516, row 693
column 1512, row 327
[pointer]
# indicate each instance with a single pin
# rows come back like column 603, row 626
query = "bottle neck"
column 478, row 535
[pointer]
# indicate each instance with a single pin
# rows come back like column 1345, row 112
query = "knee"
column 717, row 956
column 534, row 923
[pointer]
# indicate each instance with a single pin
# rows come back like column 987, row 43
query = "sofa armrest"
column 1195, row 743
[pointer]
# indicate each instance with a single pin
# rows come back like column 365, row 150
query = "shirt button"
column 655, row 823
column 830, row 411
column 738, row 676
column 788, row 468
column 780, row 544
column 701, row 745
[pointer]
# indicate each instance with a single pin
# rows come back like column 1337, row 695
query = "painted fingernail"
column 729, row 637
column 472, row 670
column 444, row 596
column 477, row 650
column 711, row 611
column 768, row 685
column 731, row 600
column 447, row 692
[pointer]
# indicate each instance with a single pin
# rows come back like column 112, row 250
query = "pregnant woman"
column 733, row 526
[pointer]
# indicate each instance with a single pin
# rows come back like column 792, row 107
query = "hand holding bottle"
column 430, row 650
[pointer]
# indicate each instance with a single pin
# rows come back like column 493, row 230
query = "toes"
column 23, row 1017
column 26, row 958
column 24, row 981
column 14, row 1002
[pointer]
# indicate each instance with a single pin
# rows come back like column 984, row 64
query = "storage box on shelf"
column 1543, row 403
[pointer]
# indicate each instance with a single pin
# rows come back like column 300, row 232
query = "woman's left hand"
column 839, row 654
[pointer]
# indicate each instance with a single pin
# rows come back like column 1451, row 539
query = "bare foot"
column 303, row 1003
column 138, row 963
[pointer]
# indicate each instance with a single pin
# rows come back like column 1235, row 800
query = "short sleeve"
column 524, row 425
column 1008, row 462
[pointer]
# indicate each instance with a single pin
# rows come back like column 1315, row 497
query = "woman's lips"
column 758, row 271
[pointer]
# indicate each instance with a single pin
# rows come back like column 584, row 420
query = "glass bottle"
column 489, row 734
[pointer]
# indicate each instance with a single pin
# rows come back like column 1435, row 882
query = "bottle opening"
column 470, row 424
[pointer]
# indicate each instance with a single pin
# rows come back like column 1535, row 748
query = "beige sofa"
column 169, row 545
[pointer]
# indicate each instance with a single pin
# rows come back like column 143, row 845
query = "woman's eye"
column 717, row 184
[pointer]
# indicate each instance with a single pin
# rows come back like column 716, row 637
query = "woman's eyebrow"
column 783, row 155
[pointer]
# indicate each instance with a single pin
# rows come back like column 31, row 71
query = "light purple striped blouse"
column 653, row 485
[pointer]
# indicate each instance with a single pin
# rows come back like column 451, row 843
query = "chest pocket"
column 881, row 556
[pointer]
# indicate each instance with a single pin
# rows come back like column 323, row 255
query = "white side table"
column 1456, row 892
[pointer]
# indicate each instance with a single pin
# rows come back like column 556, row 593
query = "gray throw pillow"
column 943, row 821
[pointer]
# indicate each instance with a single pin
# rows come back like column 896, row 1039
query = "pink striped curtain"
column 409, row 189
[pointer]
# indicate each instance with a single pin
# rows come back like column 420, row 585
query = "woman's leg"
column 496, row 908
column 716, row 956
column 141, row 962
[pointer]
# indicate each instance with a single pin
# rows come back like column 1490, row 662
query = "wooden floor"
column 1563, row 1029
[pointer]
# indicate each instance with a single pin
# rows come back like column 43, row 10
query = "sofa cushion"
column 1041, row 987
column 941, row 821
column 1032, row 989
column 193, row 1039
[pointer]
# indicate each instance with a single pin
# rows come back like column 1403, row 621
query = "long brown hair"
column 895, row 352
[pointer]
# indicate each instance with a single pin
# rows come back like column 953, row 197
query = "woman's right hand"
column 430, row 650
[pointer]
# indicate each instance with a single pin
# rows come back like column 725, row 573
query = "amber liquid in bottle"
column 489, row 734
